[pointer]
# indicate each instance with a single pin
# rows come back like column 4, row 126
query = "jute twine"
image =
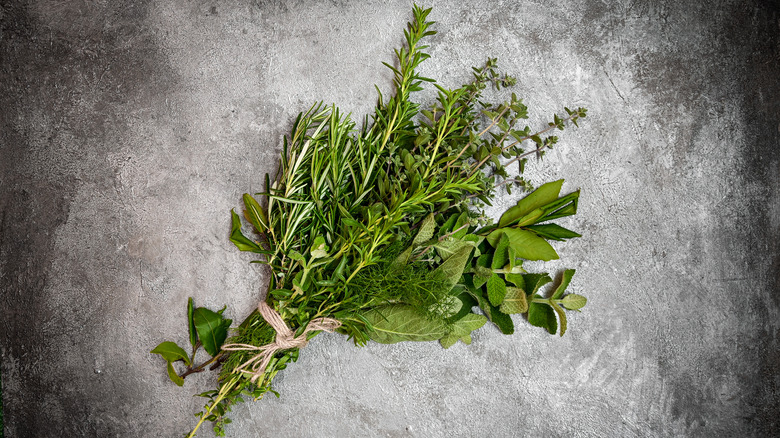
column 285, row 340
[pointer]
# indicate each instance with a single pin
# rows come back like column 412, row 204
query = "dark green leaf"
column 496, row 289
column 501, row 254
column 542, row 315
column 534, row 281
column 553, row 231
column 255, row 213
column 212, row 329
column 450, row 271
column 191, row 323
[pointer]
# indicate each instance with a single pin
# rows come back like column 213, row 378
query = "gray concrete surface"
column 130, row 129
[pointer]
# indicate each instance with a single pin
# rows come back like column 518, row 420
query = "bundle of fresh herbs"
column 378, row 232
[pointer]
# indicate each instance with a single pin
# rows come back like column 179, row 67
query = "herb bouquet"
column 377, row 232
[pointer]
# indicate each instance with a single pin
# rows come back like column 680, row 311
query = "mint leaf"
column 574, row 302
column 514, row 301
column 542, row 315
column 496, row 289
column 565, row 280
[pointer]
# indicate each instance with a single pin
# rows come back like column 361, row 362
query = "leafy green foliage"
column 380, row 226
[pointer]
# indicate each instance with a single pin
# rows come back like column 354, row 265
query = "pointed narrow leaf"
column 561, row 316
column 255, row 213
column 501, row 253
column 553, row 231
column 543, row 195
column 242, row 242
column 191, row 323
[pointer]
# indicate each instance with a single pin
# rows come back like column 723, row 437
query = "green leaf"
column 427, row 228
column 538, row 198
column 255, row 213
column 467, row 302
column 467, row 324
column 452, row 268
column 561, row 316
column 501, row 320
column 553, row 231
column 171, row 352
column 565, row 280
column 514, row 301
column 526, row 244
column 542, row 315
column 448, row 340
column 242, row 242
column 534, row 281
column 191, row 323
column 516, row 279
column 574, row 301
column 212, row 329
column 401, row 322
column 173, row 376
column 295, row 255
column 496, row 289
column 501, row 254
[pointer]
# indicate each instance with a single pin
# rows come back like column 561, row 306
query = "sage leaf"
column 171, row 352
column 467, row 324
column 574, row 302
column 448, row 340
column 452, row 268
column 538, row 198
column 174, row 376
column 496, row 289
column 394, row 323
column 427, row 228
column 212, row 329
column 514, row 301
column 526, row 244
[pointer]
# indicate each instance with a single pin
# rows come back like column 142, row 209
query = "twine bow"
column 285, row 340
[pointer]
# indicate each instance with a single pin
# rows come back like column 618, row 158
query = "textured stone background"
column 130, row 129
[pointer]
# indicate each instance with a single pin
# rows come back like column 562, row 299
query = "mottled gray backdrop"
column 130, row 129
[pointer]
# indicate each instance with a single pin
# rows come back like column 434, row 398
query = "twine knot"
column 285, row 340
